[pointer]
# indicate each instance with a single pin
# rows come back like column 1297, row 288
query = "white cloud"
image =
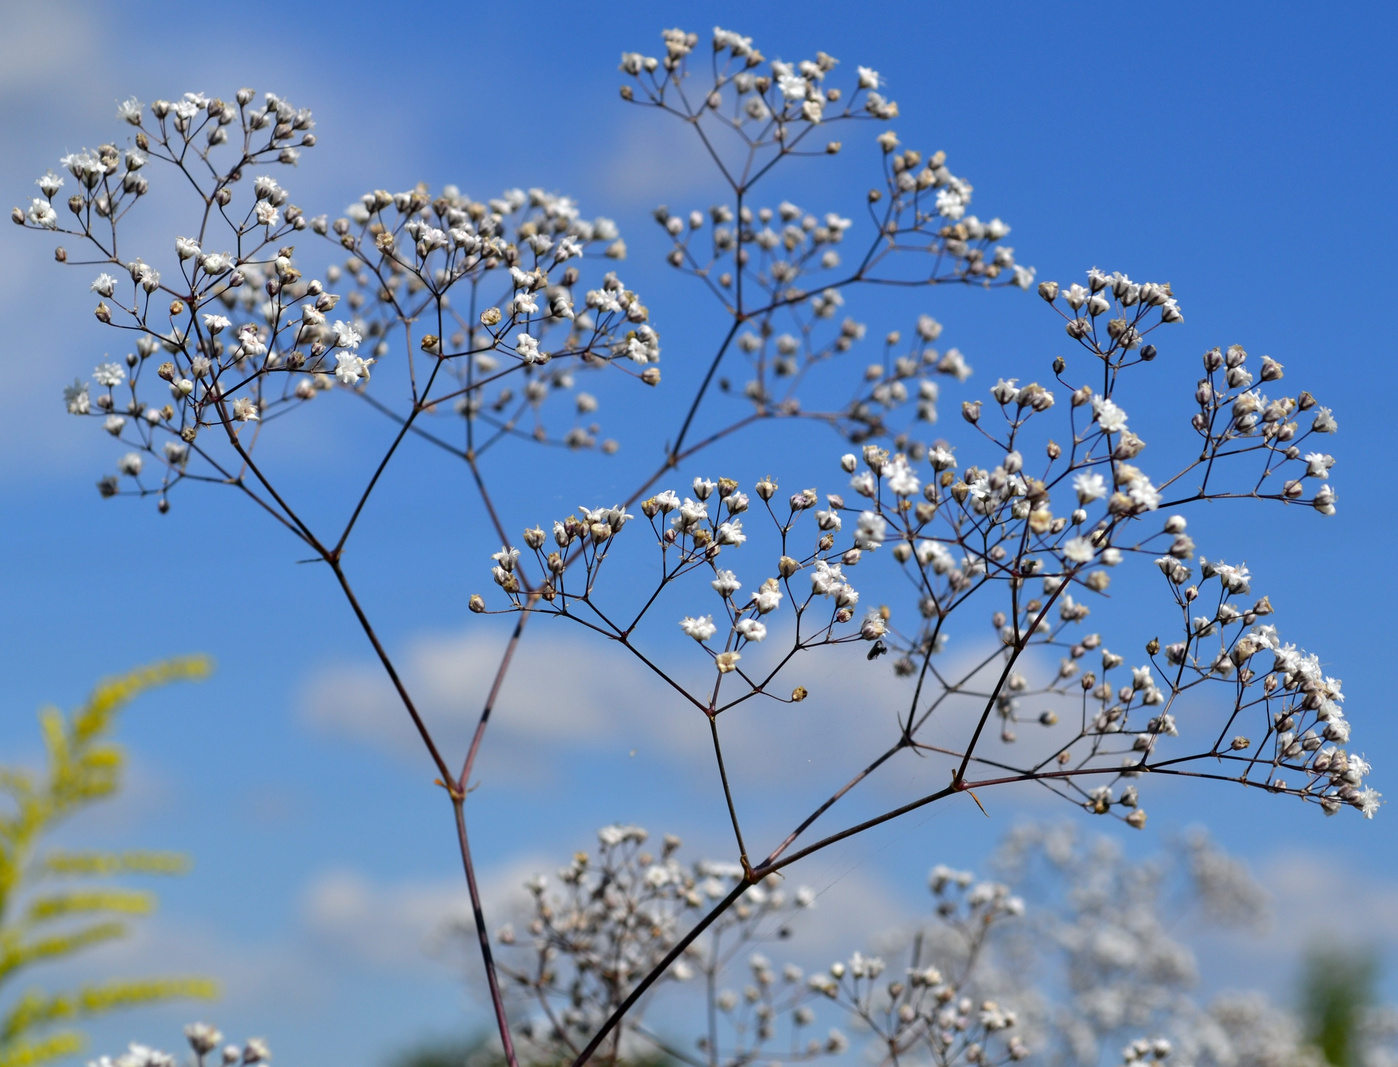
column 399, row 926
column 568, row 693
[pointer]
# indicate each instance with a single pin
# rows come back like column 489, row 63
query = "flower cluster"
column 962, row 535
column 247, row 337
column 607, row 919
column 1019, row 515
column 204, row 1040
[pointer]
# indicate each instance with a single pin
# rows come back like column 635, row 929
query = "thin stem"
column 458, row 802
column 727, row 792
column 660, row 968
column 388, row 666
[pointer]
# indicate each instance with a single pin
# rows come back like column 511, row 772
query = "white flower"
column 130, row 464
column 1090, row 486
column 1143, row 494
column 1078, row 549
column 602, row 300
column 129, row 110
column 149, row 279
column 768, row 597
column 1234, row 579
column 109, row 374
column 75, row 398
column 114, row 424
column 215, row 323
column 349, row 367
column 1110, row 417
column 826, row 579
column 667, row 501
column 41, row 213
column 528, row 348
column 725, row 583
column 871, row 530
column 50, row 183
column 739, row 44
column 900, row 477
column 751, row 629
column 701, row 629
column 105, row 285
column 176, row 453
column 636, row 349
column 692, row 513
column 244, row 410
column 868, row 78
column 1318, row 464
column 346, row 336
column 1369, row 802
column 950, row 204
column 731, row 533
column 249, row 343
column 793, row 86
column 217, row 263
column 186, row 247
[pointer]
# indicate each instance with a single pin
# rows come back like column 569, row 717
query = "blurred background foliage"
column 1339, row 990
column 57, row 903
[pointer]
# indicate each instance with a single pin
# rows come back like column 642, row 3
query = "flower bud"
column 1049, row 291
column 476, row 603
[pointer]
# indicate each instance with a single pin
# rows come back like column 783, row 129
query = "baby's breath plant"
column 1073, row 957
column 480, row 320
column 56, row 903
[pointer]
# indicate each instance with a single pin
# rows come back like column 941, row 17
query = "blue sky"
column 1239, row 151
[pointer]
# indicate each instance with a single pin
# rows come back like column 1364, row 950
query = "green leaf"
column 98, row 864
column 62, row 905
column 32, row 1053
